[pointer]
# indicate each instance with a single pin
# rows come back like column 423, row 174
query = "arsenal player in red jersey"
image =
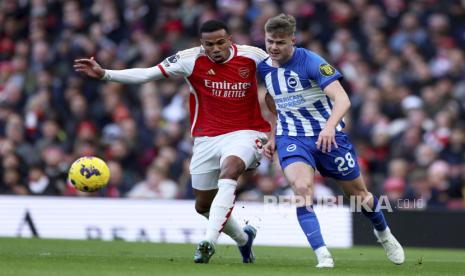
column 226, row 123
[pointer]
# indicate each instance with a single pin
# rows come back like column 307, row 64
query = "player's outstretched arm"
column 90, row 68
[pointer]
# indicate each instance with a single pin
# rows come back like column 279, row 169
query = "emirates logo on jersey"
column 228, row 89
column 244, row 72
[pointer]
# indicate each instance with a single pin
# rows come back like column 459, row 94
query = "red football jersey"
column 223, row 95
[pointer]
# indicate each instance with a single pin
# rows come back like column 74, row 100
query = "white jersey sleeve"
column 133, row 76
column 180, row 64
column 257, row 54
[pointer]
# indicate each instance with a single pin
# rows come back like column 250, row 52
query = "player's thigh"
column 244, row 144
column 299, row 173
column 340, row 163
column 300, row 177
column 354, row 187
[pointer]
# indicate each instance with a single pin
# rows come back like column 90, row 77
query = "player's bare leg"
column 393, row 248
column 300, row 176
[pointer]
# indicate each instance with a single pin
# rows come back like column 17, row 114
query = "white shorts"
column 210, row 152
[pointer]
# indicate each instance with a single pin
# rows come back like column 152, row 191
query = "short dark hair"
column 281, row 24
column 212, row 26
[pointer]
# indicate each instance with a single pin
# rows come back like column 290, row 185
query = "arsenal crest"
column 244, row 72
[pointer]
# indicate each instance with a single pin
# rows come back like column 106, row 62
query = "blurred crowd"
column 403, row 64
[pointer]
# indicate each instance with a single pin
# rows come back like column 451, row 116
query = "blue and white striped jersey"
column 297, row 88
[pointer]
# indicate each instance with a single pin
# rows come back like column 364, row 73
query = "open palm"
column 89, row 67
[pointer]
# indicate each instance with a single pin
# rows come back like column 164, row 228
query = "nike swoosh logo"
column 309, row 234
column 344, row 174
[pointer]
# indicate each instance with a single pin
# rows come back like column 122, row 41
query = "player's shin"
column 221, row 208
column 393, row 248
column 375, row 215
column 233, row 230
column 311, row 227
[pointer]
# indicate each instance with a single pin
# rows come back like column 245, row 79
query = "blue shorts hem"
column 348, row 177
column 289, row 160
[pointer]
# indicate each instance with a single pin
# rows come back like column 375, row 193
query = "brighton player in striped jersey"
column 309, row 102
column 226, row 124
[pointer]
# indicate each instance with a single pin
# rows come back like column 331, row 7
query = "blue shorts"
column 340, row 163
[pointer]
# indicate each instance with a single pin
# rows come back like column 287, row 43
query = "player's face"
column 217, row 45
column 280, row 47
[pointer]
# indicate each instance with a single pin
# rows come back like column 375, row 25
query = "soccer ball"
column 89, row 174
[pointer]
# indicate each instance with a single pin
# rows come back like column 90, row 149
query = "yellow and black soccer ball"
column 89, row 174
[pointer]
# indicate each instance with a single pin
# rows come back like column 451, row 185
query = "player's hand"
column 326, row 139
column 269, row 148
column 89, row 67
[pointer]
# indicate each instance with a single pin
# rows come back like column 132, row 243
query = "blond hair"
column 281, row 24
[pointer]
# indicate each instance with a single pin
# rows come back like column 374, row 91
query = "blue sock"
column 310, row 225
column 376, row 216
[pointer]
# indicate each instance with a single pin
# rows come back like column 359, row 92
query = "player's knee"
column 365, row 196
column 232, row 168
column 362, row 193
column 357, row 188
column 202, row 207
column 303, row 187
column 231, row 171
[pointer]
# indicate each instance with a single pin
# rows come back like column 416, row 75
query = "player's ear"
column 293, row 40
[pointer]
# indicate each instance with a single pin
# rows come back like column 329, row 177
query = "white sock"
column 233, row 230
column 322, row 253
column 383, row 234
column 221, row 208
